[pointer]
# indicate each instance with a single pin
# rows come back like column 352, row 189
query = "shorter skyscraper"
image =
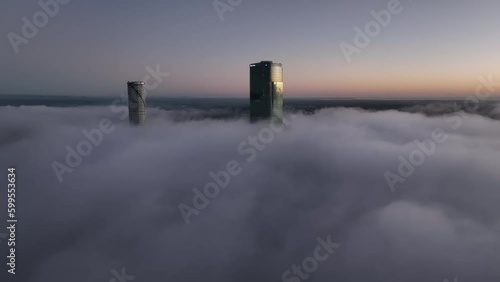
column 266, row 91
column 136, row 102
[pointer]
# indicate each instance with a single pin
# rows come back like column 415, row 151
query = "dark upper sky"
column 93, row 47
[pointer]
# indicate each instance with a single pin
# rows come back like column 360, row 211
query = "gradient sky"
column 93, row 47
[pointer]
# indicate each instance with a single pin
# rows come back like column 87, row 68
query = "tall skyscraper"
column 136, row 102
column 266, row 91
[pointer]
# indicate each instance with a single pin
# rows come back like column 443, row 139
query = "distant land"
column 231, row 108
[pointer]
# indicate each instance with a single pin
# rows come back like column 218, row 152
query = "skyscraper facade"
column 136, row 102
column 266, row 91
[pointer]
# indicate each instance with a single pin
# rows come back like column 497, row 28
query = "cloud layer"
column 322, row 176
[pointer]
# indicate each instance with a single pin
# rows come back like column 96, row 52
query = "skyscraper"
column 266, row 91
column 136, row 102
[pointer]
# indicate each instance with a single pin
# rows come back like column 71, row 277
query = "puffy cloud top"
column 324, row 176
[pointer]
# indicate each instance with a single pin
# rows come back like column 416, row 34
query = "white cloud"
column 323, row 175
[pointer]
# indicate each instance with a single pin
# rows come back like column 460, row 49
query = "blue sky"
column 93, row 47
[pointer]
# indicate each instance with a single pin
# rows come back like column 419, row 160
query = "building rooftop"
column 136, row 82
column 264, row 63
